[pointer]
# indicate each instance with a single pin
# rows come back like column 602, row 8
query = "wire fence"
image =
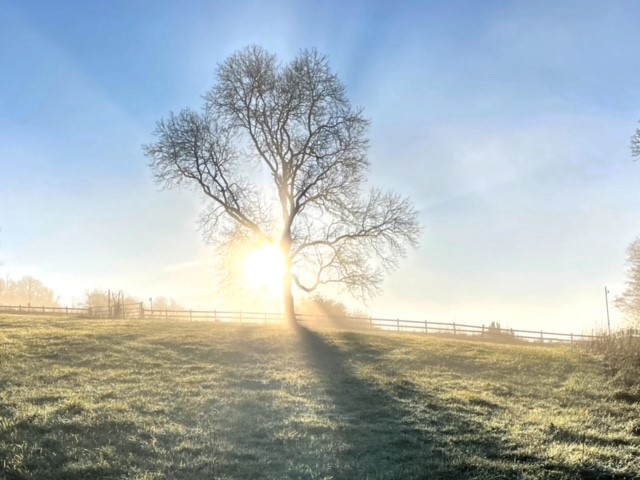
column 137, row 311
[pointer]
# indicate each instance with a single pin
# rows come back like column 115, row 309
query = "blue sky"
column 507, row 122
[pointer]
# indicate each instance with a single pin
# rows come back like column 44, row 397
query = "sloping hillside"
column 147, row 400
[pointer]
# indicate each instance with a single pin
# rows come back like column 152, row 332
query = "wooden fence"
column 137, row 311
column 31, row 310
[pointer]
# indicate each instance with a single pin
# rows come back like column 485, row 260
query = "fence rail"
column 137, row 311
column 31, row 310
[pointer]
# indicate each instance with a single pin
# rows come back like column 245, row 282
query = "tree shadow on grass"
column 394, row 430
column 397, row 430
column 243, row 408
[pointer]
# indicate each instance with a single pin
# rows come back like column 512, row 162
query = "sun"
column 264, row 268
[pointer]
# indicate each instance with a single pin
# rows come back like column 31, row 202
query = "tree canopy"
column 281, row 154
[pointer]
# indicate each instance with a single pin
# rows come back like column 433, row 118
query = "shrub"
column 621, row 354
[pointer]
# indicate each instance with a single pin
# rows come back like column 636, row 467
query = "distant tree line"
column 97, row 298
column 27, row 291
column 494, row 329
column 30, row 291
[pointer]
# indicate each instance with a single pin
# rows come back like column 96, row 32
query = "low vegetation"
column 185, row 400
column 620, row 353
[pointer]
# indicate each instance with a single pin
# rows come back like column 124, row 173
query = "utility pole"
column 606, row 301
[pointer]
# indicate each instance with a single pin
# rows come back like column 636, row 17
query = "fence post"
column 190, row 315
column 483, row 329
column 370, row 323
column 426, row 327
column 398, row 324
column 454, row 328
column 66, row 310
column 215, row 315
column 541, row 337
column 571, row 337
column 42, row 308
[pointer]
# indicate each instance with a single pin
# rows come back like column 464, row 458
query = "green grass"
column 152, row 400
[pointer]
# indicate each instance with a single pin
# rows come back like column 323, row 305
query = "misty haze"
column 319, row 240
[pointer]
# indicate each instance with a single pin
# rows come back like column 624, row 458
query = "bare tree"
column 98, row 298
column 282, row 155
column 27, row 291
column 166, row 303
column 629, row 301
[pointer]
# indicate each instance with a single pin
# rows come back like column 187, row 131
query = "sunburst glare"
column 264, row 270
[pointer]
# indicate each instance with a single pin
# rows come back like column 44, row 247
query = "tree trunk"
column 287, row 298
column 287, row 295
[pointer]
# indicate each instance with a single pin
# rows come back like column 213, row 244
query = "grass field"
column 130, row 399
